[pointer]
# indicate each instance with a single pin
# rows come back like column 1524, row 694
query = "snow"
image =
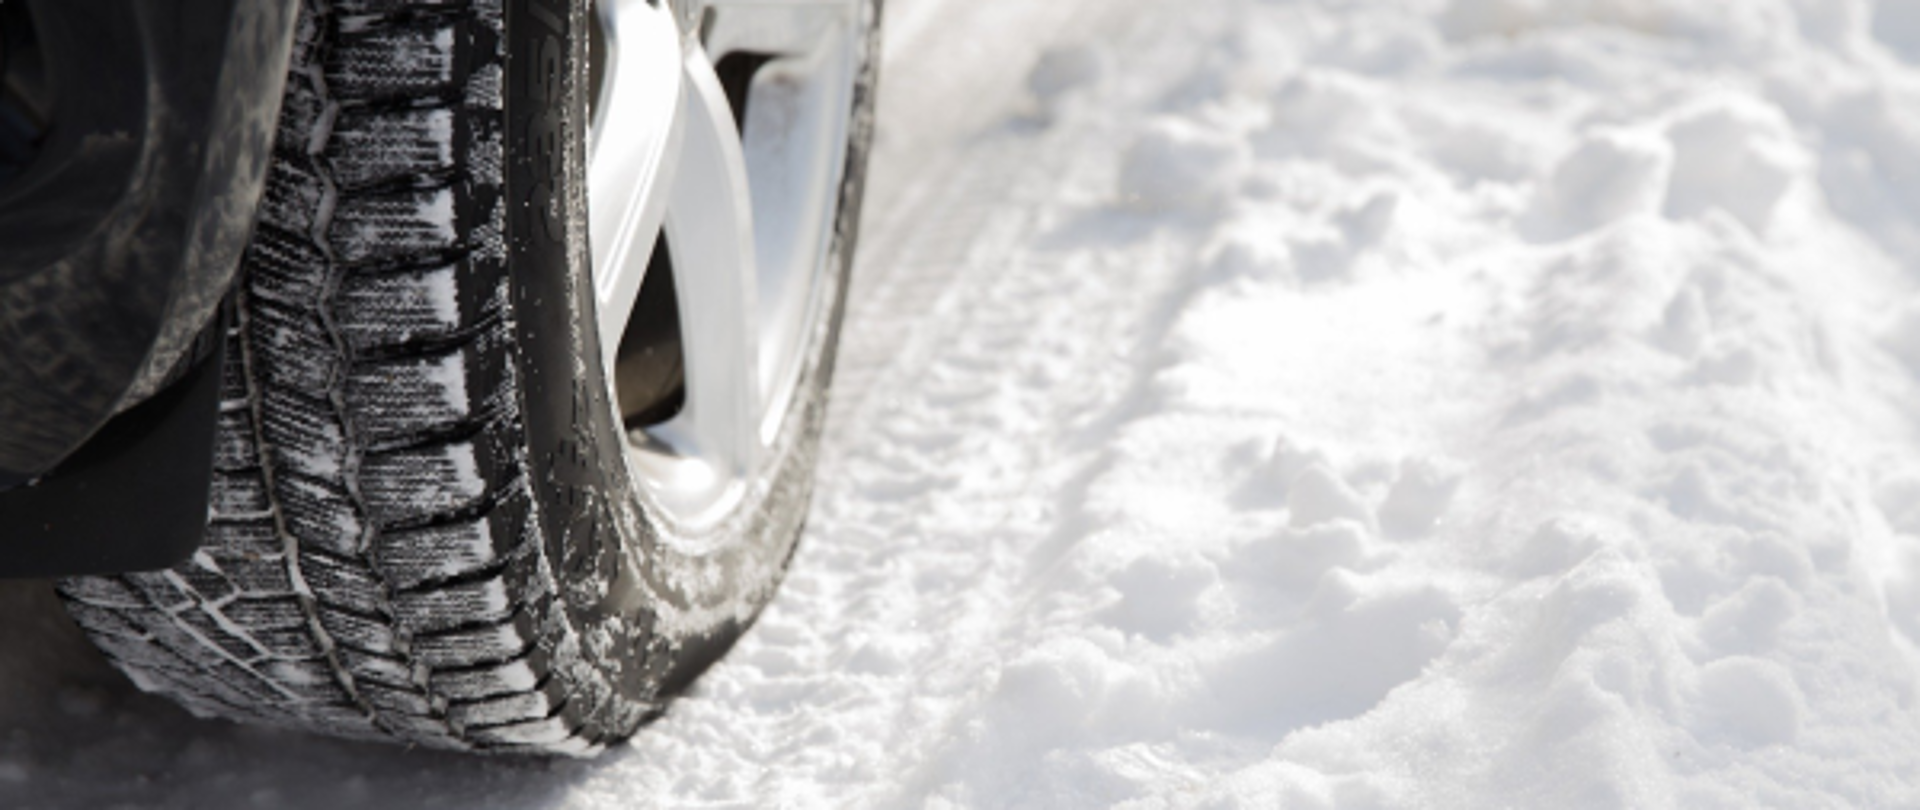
column 1062, row 70
column 1176, row 163
column 1355, row 403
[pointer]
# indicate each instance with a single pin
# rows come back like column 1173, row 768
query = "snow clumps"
column 1063, row 70
column 1612, row 174
column 1735, row 154
column 1525, row 310
column 1176, row 163
column 1748, row 702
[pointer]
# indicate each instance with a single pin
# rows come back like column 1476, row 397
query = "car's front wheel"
column 526, row 370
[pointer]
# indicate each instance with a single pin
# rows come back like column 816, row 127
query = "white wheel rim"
column 747, row 220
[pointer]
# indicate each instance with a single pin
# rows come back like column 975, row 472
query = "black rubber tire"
column 422, row 527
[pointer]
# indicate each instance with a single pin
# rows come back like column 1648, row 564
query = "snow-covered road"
column 1334, row 403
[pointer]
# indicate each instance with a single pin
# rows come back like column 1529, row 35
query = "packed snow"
column 1337, row 404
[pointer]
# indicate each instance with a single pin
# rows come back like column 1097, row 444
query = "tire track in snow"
column 938, row 179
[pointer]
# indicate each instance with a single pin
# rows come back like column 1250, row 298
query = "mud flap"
column 133, row 498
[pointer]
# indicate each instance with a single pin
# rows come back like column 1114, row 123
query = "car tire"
column 423, row 526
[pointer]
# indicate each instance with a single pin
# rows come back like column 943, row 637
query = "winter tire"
column 484, row 482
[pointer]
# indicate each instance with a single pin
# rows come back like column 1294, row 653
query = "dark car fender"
column 117, row 243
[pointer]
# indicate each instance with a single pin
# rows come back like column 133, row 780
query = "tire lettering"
column 543, row 131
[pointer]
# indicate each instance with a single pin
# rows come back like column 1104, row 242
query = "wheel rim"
column 739, row 216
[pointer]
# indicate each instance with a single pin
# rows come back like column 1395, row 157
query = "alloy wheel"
column 715, row 153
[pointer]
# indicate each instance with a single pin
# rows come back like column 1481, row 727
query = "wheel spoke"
column 638, row 122
column 709, row 229
column 795, row 132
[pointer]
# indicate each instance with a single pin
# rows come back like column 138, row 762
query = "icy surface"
column 1353, row 404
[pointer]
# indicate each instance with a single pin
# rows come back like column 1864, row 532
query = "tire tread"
column 368, row 569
